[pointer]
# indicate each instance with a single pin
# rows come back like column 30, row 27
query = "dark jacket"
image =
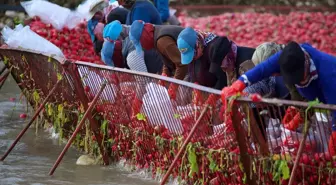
column 144, row 10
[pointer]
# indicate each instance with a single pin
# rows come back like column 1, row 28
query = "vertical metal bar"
column 240, row 137
column 80, row 125
column 184, row 145
column 31, row 121
column 297, row 160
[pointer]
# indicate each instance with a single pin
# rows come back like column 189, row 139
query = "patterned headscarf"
column 264, row 51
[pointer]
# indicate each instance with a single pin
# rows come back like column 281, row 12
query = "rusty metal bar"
column 264, row 150
column 3, row 78
column 242, row 142
column 298, row 156
column 72, row 70
column 31, row 121
column 80, row 125
column 184, row 145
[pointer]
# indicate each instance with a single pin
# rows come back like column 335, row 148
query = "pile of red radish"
column 75, row 44
column 252, row 29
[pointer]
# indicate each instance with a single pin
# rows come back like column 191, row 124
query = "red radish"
column 12, row 99
column 23, row 116
column 256, row 98
column 87, row 89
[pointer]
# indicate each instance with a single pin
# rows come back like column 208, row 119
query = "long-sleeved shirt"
column 172, row 57
column 145, row 11
column 163, row 8
column 323, row 88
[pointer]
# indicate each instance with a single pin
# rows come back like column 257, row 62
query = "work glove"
column 332, row 144
column 236, row 87
column 292, row 118
column 172, row 90
column 162, row 82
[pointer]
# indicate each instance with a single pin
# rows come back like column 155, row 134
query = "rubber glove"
column 172, row 91
column 332, row 144
column 236, row 87
column 292, row 118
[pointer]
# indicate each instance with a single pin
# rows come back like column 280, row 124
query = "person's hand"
column 332, row 144
column 172, row 90
column 162, row 82
column 292, row 118
column 236, row 87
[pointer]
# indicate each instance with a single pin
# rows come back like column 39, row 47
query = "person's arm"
column 107, row 53
column 168, row 48
column 163, row 8
column 261, row 71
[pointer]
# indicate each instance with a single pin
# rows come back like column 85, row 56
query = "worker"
column 197, row 50
column 163, row 8
column 215, row 53
column 310, row 70
column 148, row 61
column 164, row 39
column 141, row 10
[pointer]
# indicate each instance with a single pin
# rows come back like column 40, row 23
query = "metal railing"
column 135, row 119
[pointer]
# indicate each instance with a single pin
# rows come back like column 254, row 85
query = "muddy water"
column 31, row 160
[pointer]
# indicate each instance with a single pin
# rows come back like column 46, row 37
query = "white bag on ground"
column 159, row 110
column 25, row 38
column 53, row 14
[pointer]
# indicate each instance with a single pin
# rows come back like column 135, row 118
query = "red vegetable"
column 23, row 116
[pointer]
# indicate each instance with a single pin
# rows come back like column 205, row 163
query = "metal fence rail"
column 138, row 121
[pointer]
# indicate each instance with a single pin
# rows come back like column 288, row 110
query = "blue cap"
column 135, row 34
column 186, row 43
column 112, row 30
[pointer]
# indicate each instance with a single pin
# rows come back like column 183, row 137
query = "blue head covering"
column 91, row 25
column 186, row 43
column 107, row 53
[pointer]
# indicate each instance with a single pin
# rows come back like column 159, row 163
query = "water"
column 32, row 158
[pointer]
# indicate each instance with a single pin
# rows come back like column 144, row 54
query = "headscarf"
column 98, row 31
column 203, row 39
column 264, row 51
column 92, row 23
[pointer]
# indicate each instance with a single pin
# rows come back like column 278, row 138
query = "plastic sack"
column 59, row 17
column 94, row 82
column 291, row 141
column 273, row 129
column 159, row 109
column 25, row 38
column 323, row 131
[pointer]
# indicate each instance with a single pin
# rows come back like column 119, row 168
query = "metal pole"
column 298, row 156
column 31, row 121
column 3, row 78
column 80, row 125
column 171, row 167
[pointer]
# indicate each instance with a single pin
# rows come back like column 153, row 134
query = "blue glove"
column 107, row 53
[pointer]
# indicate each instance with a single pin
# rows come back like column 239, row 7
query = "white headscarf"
column 264, row 51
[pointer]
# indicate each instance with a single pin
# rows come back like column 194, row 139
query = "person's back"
column 145, row 11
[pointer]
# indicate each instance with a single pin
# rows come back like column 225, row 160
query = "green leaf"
column 22, row 75
column 6, row 59
column 103, row 126
column 284, row 170
column 59, row 76
column 192, row 158
column 141, row 117
column 177, row 116
column 212, row 166
column 50, row 109
column 36, row 96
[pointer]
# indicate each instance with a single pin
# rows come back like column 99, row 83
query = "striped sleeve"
column 136, row 62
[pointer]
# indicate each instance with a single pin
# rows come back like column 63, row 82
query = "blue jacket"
column 145, row 11
column 323, row 88
column 163, row 7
